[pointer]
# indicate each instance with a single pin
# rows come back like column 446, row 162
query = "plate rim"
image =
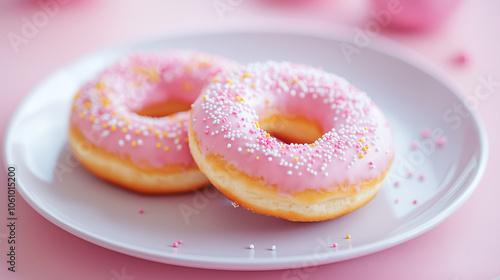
column 379, row 44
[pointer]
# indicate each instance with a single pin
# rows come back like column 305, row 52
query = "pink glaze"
column 225, row 119
column 103, row 109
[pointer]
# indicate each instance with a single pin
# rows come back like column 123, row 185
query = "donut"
column 129, row 125
column 291, row 141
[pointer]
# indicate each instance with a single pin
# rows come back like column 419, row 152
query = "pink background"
column 465, row 246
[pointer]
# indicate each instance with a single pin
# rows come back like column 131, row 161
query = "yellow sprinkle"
column 105, row 102
column 242, row 100
column 74, row 108
column 187, row 139
column 92, row 118
column 312, row 145
column 254, row 86
column 360, row 140
column 283, row 147
column 87, row 104
column 248, row 150
column 137, row 131
column 215, row 79
column 268, row 101
column 245, row 75
column 150, row 128
column 237, row 98
column 257, row 124
column 113, row 127
column 296, row 159
column 366, row 128
column 229, row 82
column 361, row 156
column 158, row 145
column 294, row 80
column 104, row 124
column 166, row 148
column 348, row 236
column 81, row 115
column 364, row 149
column 134, row 143
column 127, row 122
column 267, row 135
column 257, row 157
column 124, row 130
column 78, row 94
column 100, row 86
column 367, row 147
column 165, row 133
column 157, row 134
column 204, row 97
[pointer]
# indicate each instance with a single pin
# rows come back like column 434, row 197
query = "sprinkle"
column 441, row 141
column 150, row 128
column 396, row 183
column 251, row 246
column 166, row 148
column 268, row 101
column 360, row 140
column 92, row 118
column 312, row 145
column 229, row 82
column 157, row 134
column 134, row 143
column 229, row 145
column 104, row 124
column 81, row 115
column 273, row 248
column 396, row 200
column 137, row 131
column 180, row 241
column 257, row 157
column 348, row 236
column 460, row 59
column 296, row 159
column 158, row 145
column 426, row 133
column 254, row 86
column 215, row 81
column 335, row 245
column 361, row 156
column 113, row 127
column 267, row 135
column 124, row 130
column 121, row 142
column 410, row 174
column 289, row 172
column 141, row 211
column 414, row 145
column 175, row 245
column 415, row 201
column 257, row 124
column 421, row 177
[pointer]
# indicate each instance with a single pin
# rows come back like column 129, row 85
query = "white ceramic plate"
column 216, row 235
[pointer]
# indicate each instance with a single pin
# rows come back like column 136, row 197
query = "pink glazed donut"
column 129, row 125
column 290, row 141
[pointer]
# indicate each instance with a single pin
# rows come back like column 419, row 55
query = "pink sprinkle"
column 421, row 177
column 441, row 141
column 234, row 113
column 204, row 119
column 460, row 59
column 414, row 145
column 141, row 211
column 410, row 174
column 396, row 183
column 396, row 200
column 334, row 245
column 371, row 163
column 415, row 201
column 180, row 241
column 426, row 133
column 175, row 245
column 206, row 131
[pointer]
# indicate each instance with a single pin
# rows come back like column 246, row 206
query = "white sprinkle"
column 270, row 158
column 139, row 142
column 289, row 172
column 251, row 246
column 121, row 142
column 239, row 149
column 229, row 145
column 128, row 137
column 273, row 248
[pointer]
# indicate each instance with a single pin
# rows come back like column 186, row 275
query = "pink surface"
column 465, row 246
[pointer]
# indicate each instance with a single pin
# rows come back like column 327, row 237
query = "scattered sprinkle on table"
column 175, row 245
column 273, row 248
column 348, row 236
column 251, row 246
column 335, row 245
column 141, row 211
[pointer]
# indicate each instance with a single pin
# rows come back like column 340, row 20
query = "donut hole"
column 164, row 109
column 292, row 129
